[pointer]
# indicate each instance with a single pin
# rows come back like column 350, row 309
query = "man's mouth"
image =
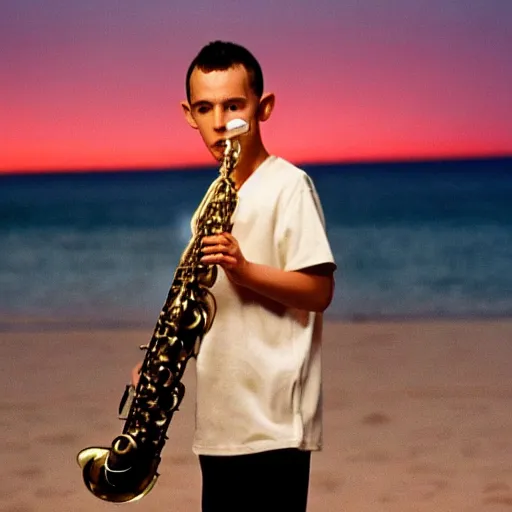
column 219, row 144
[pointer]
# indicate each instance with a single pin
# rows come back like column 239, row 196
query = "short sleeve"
column 300, row 233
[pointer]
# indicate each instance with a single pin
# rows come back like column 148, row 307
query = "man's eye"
column 233, row 107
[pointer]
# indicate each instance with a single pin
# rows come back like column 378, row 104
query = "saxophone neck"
column 231, row 157
column 232, row 149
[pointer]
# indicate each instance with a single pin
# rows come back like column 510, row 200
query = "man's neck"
column 248, row 164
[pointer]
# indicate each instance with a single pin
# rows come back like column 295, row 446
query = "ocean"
column 411, row 240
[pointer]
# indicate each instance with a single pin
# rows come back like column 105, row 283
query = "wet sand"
column 417, row 417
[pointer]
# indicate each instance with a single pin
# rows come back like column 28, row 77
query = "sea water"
column 417, row 239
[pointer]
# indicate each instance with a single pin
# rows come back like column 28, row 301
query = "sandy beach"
column 417, row 417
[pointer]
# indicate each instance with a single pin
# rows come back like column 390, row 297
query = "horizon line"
column 299, row 163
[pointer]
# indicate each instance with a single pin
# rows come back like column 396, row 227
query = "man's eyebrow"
column 237, row 99
column 206, row 103
column 201, row 103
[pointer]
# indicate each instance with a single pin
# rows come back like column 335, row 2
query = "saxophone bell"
column 116, row 483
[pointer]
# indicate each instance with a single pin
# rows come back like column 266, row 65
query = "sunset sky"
column 97, row 84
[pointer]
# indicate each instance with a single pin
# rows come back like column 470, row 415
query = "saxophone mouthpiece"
column 236, row 127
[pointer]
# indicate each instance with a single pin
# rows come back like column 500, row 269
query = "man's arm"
column 310, row 289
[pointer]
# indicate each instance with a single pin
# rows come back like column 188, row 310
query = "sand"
column 417, row 417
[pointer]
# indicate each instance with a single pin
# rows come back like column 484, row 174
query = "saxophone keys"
column 165, row 376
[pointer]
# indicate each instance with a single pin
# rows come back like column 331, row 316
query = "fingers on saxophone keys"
column 212, row 239
column 213, row 258
column 221, row 239
column 213, row 249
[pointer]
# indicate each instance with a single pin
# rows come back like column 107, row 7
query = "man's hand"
column 224, row 250
column 136, row 374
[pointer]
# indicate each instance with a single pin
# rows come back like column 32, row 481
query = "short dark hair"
column 221, row 55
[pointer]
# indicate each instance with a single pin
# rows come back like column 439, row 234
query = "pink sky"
column 98, row 84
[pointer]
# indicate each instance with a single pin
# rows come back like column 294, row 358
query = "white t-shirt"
column 258, row 368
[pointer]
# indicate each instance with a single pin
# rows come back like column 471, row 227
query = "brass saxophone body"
column 127, row 471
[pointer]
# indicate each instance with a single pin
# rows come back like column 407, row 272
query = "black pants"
column 273, row 481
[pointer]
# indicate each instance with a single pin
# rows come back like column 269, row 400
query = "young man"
column 258, row 407
column 258, row 411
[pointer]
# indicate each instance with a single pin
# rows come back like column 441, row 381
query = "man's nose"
column 219, row 120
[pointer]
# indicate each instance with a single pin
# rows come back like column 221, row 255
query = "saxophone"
column 127, row 471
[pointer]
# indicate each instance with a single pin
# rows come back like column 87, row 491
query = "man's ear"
column 266, row 106
column 187, row 111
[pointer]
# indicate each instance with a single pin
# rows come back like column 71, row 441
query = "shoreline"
column 45, row 324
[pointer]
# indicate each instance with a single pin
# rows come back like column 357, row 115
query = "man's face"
column 216, row 98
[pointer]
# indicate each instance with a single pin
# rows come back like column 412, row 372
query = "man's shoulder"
column 295, row 182
column 287, row 173
column 286, row 166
